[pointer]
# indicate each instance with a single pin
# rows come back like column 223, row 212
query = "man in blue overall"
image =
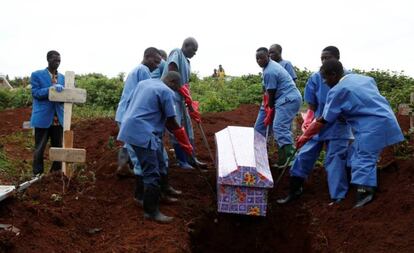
column 47, row 116
column 356, row 98
column 150, row 62
column 167, row 191
column 275, row 53
column 152, row 110
column 281, row 103
column 186, row 108
column 336, row 136
column 156, row 73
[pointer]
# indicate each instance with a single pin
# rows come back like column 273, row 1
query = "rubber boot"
column 167, row 188
column 124, row 166
column 166, row 191
column 364, row 195
column 151, row 205
column 193, row 159
column 197, row 163
column 139, row 190
column 123, row 157
column 182, row 158
column 285, row 154
column 295, row 190
column 335, row 202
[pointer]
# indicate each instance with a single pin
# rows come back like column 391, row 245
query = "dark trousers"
column 152, row 164
column 41, row 138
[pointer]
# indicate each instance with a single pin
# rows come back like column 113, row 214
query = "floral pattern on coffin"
column 244, row 176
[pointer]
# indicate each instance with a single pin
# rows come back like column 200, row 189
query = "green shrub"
column 214, row 94
column 15, row 98
column 101, row 91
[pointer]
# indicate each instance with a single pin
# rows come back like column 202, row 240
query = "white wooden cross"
column 68, row 95
column 406, row 109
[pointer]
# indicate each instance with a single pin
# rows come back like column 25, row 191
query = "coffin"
column 243, row 174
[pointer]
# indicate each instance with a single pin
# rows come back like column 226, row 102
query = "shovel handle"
column 205, row 141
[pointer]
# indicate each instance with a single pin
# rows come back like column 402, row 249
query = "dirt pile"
column 97, row 213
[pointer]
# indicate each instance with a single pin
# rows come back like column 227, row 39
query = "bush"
column 222, row 95
column 214, row 94
column 101, row 91
column 395, row 86
column 15, row 98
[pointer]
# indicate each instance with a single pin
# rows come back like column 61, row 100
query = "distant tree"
column 121, row 76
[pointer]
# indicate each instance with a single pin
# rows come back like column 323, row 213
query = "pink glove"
column 313, row 130
column 195, row 114
column 185, row 92
column 307, row 119
column 183, row 140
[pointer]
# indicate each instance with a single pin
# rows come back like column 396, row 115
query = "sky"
column 110, row 37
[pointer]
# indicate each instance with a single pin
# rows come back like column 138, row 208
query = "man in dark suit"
column 47, row 116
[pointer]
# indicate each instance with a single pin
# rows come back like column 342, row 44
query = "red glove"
column 270, row 113
column 313, row 130
column 307, row 119
column 182, row 139
column 265, row 99
column 195, row 113
column 185, row 92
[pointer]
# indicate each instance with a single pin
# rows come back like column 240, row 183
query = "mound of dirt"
column 95, row 211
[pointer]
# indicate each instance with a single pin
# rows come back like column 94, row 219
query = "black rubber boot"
column 151, row 205
column 139, row 190
column 194, row 161
column 295, row 190
column 167, row 188
column 335, row 202
column 197, row 163
column 365, row 194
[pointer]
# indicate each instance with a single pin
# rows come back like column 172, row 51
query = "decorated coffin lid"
column 242, row 158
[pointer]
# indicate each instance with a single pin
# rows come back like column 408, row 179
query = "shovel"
column 284, row 168
column 205, row 141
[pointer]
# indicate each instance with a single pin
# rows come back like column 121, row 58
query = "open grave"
column 98, row 214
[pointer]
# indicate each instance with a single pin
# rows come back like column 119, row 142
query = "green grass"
column 92, row 112
column 11, row 169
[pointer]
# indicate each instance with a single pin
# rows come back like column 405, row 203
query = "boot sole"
column 364, row 201
column 151, row 218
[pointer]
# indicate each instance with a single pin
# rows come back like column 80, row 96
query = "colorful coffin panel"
column 243, row 176
column 242, row 200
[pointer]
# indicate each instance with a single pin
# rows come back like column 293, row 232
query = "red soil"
column 96, row 213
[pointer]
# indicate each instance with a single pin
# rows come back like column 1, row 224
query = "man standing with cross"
column 47, row 116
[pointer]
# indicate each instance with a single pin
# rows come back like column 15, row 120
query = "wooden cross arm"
column 71, row 155
column 68, row 95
